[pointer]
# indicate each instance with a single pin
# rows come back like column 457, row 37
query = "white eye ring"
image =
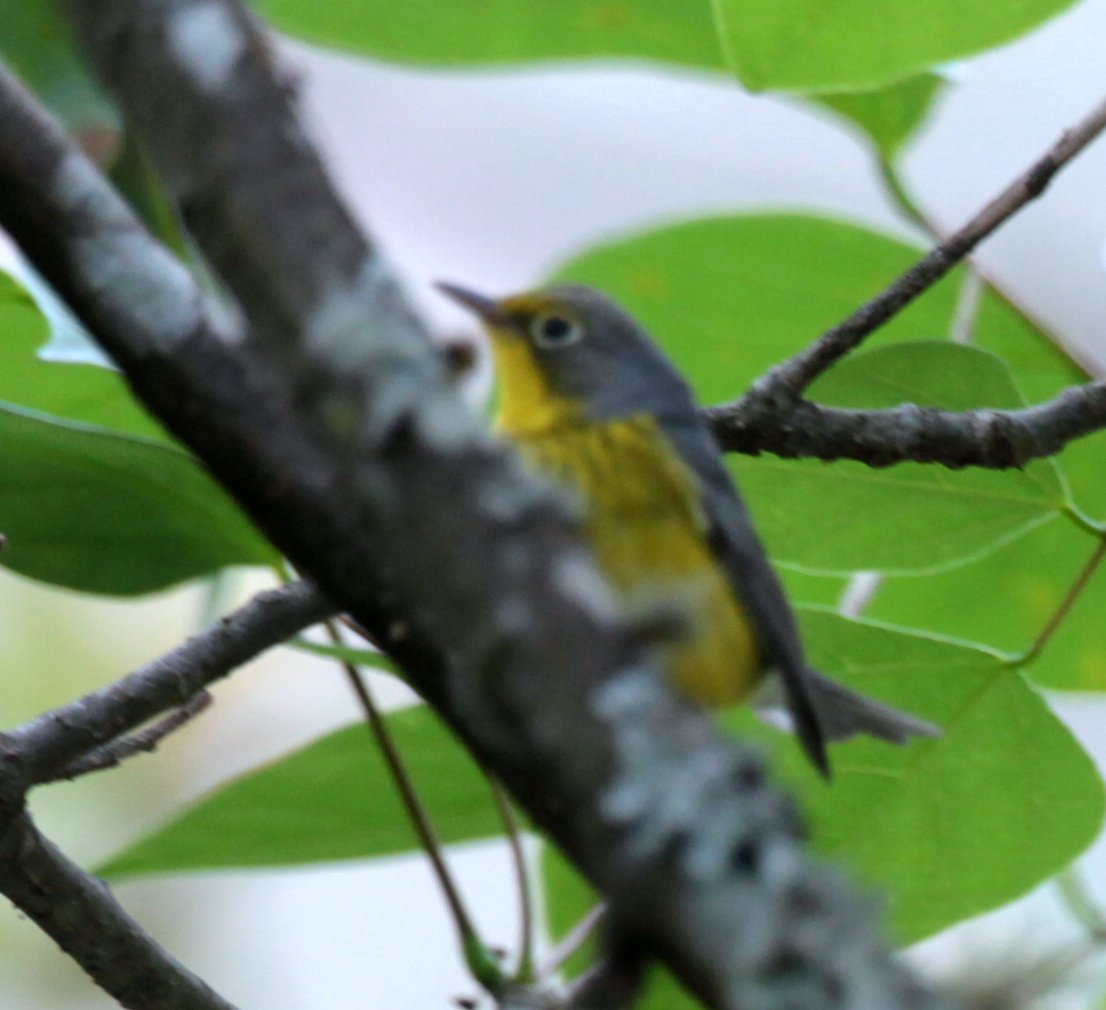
column 554, row 331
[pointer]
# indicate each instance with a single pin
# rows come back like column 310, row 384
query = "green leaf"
column 108, row 513
column 933, row 824
column 811, row 45
column 1023, row 584
column 499, row 31
column 729, row 297
column 35, row 42
column 887, row 116
column 334, row 799
column 78, row 392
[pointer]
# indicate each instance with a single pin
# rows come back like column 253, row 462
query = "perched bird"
column 595, row 406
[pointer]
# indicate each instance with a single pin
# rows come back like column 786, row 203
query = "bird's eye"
column 555, row 331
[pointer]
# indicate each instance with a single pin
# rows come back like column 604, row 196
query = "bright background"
column 489, row 179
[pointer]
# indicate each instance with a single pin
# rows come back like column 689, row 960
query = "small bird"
column 595, row 406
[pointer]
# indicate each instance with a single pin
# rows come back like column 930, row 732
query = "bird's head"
column 569, row 352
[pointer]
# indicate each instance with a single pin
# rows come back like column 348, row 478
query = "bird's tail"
column 844, row 713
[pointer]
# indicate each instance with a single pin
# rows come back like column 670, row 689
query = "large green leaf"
column 812, row 45
column 935, row 826
column 497, row 31
column 77, row 392
column 1006, row 598
column 887, row 116
column 334, row 799
column 728, row 298
column 35, row 42
column 108, row 513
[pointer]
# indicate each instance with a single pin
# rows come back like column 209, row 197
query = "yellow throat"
column 527, row 404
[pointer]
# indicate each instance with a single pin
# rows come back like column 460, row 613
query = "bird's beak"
column 488, row 309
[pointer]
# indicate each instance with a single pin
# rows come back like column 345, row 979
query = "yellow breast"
column 645, row 524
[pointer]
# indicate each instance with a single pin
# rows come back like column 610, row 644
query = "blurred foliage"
column 36, row 43
column 94, row 496
column 507, row 31
column 797, row 45
column 805, row 45
column 888, row 117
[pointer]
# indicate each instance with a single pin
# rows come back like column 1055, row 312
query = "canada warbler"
column 595, row 406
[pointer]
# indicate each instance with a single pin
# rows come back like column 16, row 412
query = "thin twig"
column 476, row 953
column 1062, row 611
column 791, row 377
column 525, row 969
column 573, row 940
column 1077, row 898
column 143, row 742
column 41, row 748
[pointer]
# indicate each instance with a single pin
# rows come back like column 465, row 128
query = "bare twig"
column 41, row 749
column 86, row 921
column 1079, row 901
column 573, row 940
column 525, row 967
column 474, row 949
column 74, row 908
column 790, row 378
column 995, row 439
column 142, row 742
column 1075, row 590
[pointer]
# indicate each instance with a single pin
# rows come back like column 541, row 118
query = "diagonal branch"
column 995, row 439
column 49, row 745
column 87, row 922
column 789, row 379
column 74, row 908
column 338, row 431
column 145, row 741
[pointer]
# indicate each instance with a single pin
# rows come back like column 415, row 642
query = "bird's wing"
column 737, row 547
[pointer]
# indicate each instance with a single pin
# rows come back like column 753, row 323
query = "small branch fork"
column 774, row 416
column 94, row 732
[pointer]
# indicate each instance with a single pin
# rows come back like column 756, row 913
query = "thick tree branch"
column 995, row 439
column 789, row 379
column 364, row 468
